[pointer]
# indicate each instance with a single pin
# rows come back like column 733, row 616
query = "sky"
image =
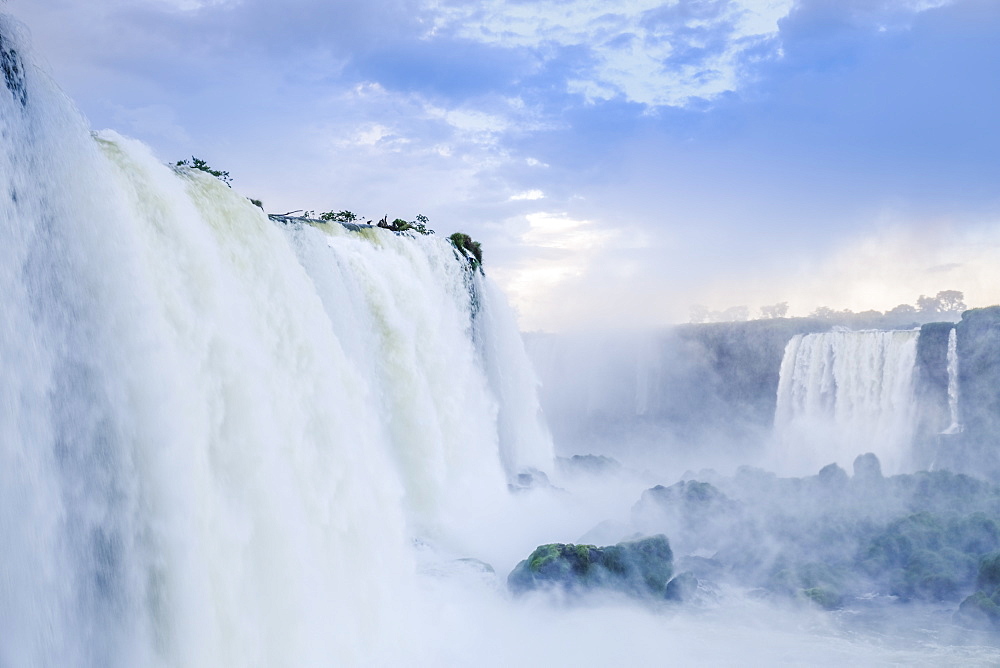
column 620, row 161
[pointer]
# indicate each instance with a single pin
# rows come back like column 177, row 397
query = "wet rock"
column 867, row 469
column 832, row 478
column 824, row 598
column 588, row 464
column 984, row 605
column 696, row 515
column 640, row 568
column 530, row 479
column 682, row 588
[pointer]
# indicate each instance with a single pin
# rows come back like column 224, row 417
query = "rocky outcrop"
column 984, row 605
column 979, row 371
column 931, row 387
column 696, row 515
column 639, row 568
column 588, row 465
column 690, row 384
column 973, row 448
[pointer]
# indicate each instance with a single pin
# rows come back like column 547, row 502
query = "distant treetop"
column 947, row 304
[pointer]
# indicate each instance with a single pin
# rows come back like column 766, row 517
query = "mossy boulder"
column 981, row 607
column 989, row 572
column 823, row 597
column 931, row 557
column 638, row 568
column 984, row 605
column 816, row 582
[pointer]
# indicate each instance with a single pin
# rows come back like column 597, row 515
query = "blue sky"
column 620, row 161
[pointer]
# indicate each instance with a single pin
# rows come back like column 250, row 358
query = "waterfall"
column 844, row 393
column 219, row 435
column 526, row 444
column 955, row 426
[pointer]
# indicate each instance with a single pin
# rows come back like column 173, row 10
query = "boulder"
column 640, row 568
column 682, row 588
column 867, row 469
column 588, row 464
column 695, row 514
column 984, row 605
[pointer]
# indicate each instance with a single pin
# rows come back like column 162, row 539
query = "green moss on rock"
column 638, row 568
column 823, row 597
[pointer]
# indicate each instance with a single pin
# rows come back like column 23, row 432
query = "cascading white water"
column 955, row 425
column 844, row 393
column 522, row 429
column 218, row 434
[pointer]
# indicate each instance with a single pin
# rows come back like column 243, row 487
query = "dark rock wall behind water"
column 689, row 386
column 975, row 448
column 709, row 384
column 931, row 391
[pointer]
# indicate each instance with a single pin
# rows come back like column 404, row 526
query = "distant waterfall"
column 955, row 425
column 843, row 393
column 219, row 435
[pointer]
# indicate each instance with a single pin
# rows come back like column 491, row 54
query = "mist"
column 800, row 465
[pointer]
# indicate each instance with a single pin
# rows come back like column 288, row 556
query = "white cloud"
column 527, row 195
column 558, row 230
column 376, row 134
column 648, row 51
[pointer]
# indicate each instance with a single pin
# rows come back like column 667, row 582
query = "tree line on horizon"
column 946, row 304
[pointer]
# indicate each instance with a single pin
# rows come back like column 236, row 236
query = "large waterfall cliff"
column 219, row 434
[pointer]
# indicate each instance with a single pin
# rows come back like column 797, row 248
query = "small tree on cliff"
column 465, row 245
column 201, row 165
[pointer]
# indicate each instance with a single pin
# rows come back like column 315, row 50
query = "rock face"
column 640, row 568
column 831, row 540
column 867, row 470
column 702, row 385
column 979, row 369
column 741, row 362
column 931, row 388
column 691, row 384
column 682, row 588
column 588, row 465
column 694, row 514
column 973, row 449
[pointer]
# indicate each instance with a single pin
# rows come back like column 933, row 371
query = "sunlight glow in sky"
column 619, row 161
